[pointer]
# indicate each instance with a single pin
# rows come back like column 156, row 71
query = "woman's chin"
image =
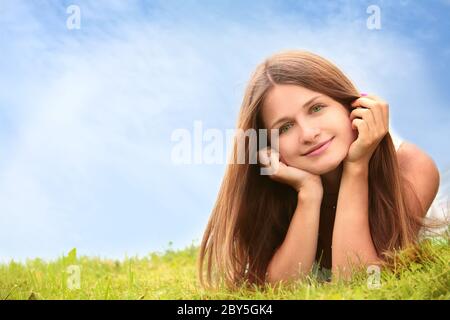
column 320, row 168
column 326, row 168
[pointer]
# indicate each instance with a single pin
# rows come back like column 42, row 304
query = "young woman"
column 340, row 195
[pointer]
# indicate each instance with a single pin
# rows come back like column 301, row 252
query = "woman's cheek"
column 284, row 149
column 347, row 137
column 351, row 133
column 285, row 156
column 282, row 158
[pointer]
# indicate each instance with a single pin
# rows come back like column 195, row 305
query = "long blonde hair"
column 252, row 212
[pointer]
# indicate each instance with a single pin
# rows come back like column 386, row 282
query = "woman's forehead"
column 281, row 100
column 287, row 93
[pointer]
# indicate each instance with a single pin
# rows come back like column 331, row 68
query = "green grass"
column 421, row 273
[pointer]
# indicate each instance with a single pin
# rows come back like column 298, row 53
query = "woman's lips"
column 321, row 149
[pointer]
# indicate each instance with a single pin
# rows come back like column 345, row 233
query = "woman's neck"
column 331, row 182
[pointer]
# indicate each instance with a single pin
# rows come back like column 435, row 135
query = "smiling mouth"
column 320, row 149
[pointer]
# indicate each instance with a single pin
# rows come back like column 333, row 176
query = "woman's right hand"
column 294, row 177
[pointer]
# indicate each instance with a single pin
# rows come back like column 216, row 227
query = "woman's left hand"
column 371, row 119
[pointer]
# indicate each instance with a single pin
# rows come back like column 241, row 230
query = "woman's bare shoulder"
column 419, row 168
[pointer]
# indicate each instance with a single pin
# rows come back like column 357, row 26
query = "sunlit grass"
column 417, row 273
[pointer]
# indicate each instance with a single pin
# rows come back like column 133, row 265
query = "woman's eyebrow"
column 304, row 105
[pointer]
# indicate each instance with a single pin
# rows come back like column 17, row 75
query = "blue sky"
column 86, row 116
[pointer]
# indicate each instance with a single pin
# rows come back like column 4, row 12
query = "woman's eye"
column 317, row 107
column 285, row 127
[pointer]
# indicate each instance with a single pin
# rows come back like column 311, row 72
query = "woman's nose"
column 308, row 133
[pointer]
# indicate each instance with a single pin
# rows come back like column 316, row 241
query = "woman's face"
column 306, row 119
